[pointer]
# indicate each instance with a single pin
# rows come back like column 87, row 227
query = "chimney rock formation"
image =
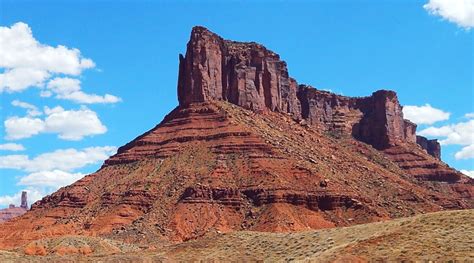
column 24, row 200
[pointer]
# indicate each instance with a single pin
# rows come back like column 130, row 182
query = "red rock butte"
column 250, row 149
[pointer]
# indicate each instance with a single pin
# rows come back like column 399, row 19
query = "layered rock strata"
column 251, row 76
column 249, row 149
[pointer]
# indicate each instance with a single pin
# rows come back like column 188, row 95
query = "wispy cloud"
column 49, row 171
column 63, row 159
column 32, row 110
column 465, row 153
column 15, row 147
column 461, row 133
column 70, row 89
column 468, row 173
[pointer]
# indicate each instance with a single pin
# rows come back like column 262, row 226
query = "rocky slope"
column 250, row 149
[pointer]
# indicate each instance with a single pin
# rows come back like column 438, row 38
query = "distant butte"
column 248, row 148
column 13, row 211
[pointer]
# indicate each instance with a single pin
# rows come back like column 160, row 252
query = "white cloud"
column 70, row 125
column 460, row 12
column 12, row 147
column 74, row 125
column 19, row 79
column 468, row 173
column 460, row 133
column 469, row 115
column 54, row 179
column 32, row 110
column 28, row 63
column 424, row 114
column 465, row 153
column 63, row 159
column 18, row 128
column 21, row 50
column 46, row 94
column 70, row 89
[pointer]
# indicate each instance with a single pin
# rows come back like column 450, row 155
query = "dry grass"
column 439, row 237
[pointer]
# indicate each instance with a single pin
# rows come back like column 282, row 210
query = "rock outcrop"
column 376, row 120
column 251, row 76
column 432, row 147
column 246, row 74
column 250, row 149
column 13, row 211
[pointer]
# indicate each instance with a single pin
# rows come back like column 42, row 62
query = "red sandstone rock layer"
column 432, row 147
column 278, row 157
column 251, row 76
column 246, row 74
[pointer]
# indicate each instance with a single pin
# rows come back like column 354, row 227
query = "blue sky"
column 129, row 50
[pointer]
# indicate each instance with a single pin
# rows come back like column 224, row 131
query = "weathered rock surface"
column 432, row 147
column 251, row 76
column 376, row 120
column 249, row 149
column 246, row 74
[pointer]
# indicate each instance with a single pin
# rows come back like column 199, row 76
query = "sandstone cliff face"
column 251, row 76
column 246, row 74
column 376, row 120
column 432, row 147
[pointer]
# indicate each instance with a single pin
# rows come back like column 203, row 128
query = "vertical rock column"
column 200, row 72
column 24, row 200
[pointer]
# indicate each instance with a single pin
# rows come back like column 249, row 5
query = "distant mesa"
column 13, row 211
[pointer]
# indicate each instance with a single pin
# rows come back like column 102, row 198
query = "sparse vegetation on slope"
column 439, row 237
